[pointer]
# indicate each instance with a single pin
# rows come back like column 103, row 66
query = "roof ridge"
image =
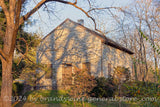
column 104, row 39
column 56, row 28
column 111, row 42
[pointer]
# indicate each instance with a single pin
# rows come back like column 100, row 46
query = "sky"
column 45, row 22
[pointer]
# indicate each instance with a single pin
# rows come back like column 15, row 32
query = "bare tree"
column 142, row 22
column 14, row 19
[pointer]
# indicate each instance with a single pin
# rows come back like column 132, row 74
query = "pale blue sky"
column 45, row 22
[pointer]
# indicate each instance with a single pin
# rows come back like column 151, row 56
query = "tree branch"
column 16, row 26
column 39, row 5
column 104, row 8
column 75, row 2
column 23, row 55
column 25, row 17
column 4, row 56
column 12, row 5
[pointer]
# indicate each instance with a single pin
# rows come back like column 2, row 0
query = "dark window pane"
column 109, row 69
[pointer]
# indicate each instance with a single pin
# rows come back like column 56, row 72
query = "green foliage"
column 32, row 40
column 105, row 88
column 28, row 62
column 17, row 89
column 53, row 97
column 142, row 90
column 2, row 25
column 56, row 96
column 17, row 69
column 154, row 46
column 121, row 74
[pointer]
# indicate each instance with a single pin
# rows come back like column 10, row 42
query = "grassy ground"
column 53, row 98
column 48, row 98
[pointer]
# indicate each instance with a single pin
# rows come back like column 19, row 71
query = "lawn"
column 47, row 98
column 54, row 98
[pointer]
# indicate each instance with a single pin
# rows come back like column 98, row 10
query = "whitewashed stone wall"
column 116, row 58
column 69, row 43
column 72, row 43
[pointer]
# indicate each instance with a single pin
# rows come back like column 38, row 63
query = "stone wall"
column 115, row 57
column 72, row 43
column 69, row 43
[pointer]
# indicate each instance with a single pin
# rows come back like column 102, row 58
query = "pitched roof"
column 104, row 39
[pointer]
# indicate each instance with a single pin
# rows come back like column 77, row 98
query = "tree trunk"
column 6, row 89
column 156, row 65
column 145, row 60
column 135, row 70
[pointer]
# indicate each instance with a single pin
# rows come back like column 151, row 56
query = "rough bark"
column 145, row 60
column 6, row 89
column 156, row 66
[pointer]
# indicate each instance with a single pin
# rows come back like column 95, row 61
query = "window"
column 109, row 69
column 86, row 66
column 48, row 74
column 66, row 74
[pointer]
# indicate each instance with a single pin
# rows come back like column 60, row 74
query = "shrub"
column 121, row 74
column 83, row 84
column 149, row 92
column 141, row 89
column 17, row 89
column 105, row 88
